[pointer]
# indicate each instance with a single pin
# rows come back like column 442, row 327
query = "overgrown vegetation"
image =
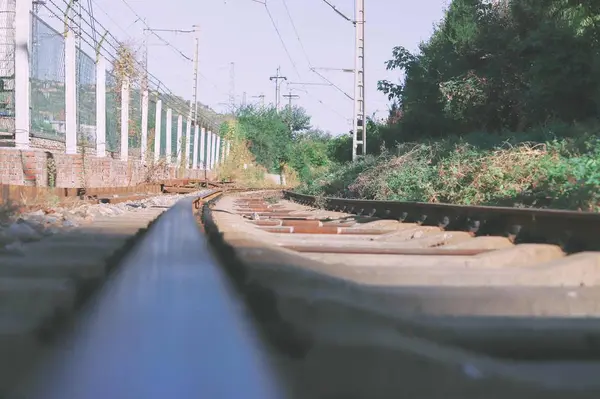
column 267, row 141
column 499, row 106
column 562, row 173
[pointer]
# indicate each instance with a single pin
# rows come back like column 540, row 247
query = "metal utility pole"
column 244, row 99
column 359, row 126
column 194, row 116
column 193, row 112
column 290, row 97
column 359, row 132
column 276, row 78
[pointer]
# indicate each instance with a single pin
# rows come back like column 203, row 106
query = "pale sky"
column 240, row 31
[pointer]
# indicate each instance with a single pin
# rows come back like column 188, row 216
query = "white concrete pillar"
column 157, row 130
column 214, row 154
column 218, row 151
column 179, row 134
column 101, row 106
column 195, row 151
column 168, row 150
column 22, row 73
column 212, row 150
column 188, row 138
column 213, row 144
column 202, row 149
column 228, row 148
column 209, row 150
column 70, row 93
column 125, row 119
column 144, row 143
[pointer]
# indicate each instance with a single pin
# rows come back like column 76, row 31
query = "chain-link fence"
column 174, row 139
column 7, row 66
column 184, row 156
column 47, row 81
column 86, row 99
column 163, row 133
column 113, row 137
column 151, row 124
column 135, row 120
column 191, row 154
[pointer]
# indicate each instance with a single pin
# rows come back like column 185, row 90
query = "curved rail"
column 575, row 231
column 167, row 324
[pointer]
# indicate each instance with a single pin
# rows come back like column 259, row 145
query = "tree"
column 297, row 119
column 491, row 66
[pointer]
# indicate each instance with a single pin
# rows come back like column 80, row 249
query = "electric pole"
column 276, row 78
column 194, row 115
column 290, row 97
column 359, row 132
column 244, row 99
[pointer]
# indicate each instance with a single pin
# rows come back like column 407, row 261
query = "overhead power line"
column 337, row 11
column 308, row 58
column 294, row 63
column 108, row 47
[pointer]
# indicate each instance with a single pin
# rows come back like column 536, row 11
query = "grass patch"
column 479, row 169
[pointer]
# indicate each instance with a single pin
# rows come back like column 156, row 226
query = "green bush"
column 559, row 173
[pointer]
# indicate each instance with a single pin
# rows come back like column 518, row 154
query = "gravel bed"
column 16, row 230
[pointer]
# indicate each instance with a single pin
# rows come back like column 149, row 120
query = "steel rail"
column 167, row 324
column 575, row 231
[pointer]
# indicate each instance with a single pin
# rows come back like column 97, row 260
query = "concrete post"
column 218, row 151
column 202, row 149
column 168, row 150
column 209, row 150
column 22, row 73
column 188, row 138
column 179, row 134
column 195, row 151
column 100, row 106
column 215, row 146
column 144, row 144
column 125, row 119
column 228, row 148
column 70, row 93
column 157, row 130
column 214, row 154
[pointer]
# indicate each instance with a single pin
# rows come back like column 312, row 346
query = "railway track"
column 360, row 306
column 252, row 295
column 43, row 286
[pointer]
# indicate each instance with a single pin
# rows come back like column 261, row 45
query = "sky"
column 241, row 32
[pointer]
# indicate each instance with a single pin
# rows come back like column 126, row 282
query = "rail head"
column 167, row 324
column 575, row 231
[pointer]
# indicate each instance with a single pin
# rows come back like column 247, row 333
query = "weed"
column 559, row 173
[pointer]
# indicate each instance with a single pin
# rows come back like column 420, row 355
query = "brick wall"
column 37, row 167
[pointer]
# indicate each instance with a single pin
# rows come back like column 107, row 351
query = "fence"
column 7, row 65
column 47, row 82
column 60, row 67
